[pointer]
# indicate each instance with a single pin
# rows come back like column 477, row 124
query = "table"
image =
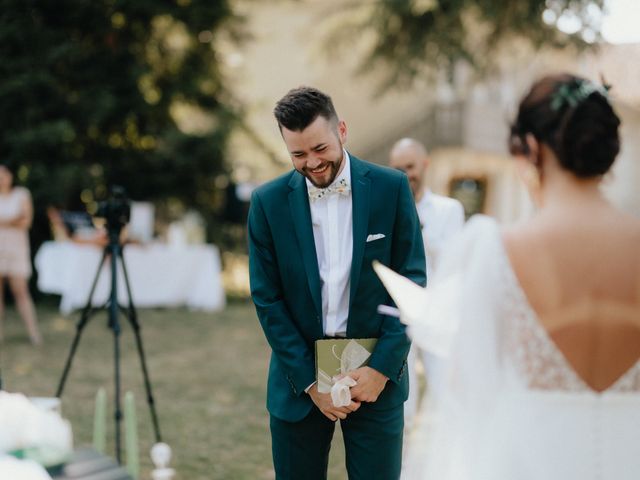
column 160, row 275
column 87, row 464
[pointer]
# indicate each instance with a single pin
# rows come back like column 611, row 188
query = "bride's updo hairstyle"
column 574, row 118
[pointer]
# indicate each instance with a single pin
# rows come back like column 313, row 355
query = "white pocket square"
column 376, row 236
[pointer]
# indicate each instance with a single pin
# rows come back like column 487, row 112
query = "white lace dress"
column 512, row 407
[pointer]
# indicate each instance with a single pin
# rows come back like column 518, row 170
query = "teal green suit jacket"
column 285, row 280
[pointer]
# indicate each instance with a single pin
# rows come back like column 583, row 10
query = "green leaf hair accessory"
column 574, row 94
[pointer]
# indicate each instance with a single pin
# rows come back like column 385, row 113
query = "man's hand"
column 370, row 384
column 324, row 403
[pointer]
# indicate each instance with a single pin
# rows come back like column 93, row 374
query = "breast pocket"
column 377, row 249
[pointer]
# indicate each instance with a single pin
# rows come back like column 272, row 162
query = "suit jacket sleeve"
column 283, row 336
column 408, row 259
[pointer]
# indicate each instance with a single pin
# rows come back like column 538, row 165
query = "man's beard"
column 334, row 167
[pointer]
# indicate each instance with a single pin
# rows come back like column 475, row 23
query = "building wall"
column 289, row 49
column 622, row 184
column 464, row 125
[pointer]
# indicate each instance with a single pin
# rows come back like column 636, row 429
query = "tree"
column 128, row 92
column 405, row 38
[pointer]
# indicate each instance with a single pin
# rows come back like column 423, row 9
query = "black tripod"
column 113, row 251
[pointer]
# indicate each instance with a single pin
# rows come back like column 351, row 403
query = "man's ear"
column 426, row 161
column 342, row 131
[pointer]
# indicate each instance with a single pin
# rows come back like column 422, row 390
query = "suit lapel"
column 360, row 186
column 301, row 216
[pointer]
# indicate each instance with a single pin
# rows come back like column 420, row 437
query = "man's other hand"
column 324, row 403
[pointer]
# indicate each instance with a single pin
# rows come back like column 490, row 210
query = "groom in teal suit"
column 313, row 234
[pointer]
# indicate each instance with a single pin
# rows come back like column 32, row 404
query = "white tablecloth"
column 159, row 275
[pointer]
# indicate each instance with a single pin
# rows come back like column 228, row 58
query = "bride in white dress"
column 540, row 323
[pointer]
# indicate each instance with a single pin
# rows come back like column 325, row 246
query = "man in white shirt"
column 313, row 235
column 440, row 219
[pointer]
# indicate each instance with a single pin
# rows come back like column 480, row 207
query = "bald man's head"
column 410, row 156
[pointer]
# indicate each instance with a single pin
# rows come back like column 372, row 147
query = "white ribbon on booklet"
column 353, row 356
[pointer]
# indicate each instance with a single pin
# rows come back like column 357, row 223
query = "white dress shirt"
column 331, row 218
column 441, row 218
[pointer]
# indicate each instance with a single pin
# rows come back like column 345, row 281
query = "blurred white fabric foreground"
column 512, row 406
column 14, row 469
column 159, row 275
column 34, row 432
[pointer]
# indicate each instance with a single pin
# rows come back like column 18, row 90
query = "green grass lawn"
column 208, row 372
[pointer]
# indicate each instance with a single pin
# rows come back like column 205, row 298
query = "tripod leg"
column 133, row 320
column 115, row 327
column 84, row 318
column 118, row 410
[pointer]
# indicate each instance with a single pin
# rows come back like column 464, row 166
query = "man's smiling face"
column 317, row 151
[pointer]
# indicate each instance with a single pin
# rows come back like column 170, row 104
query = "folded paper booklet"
column 339, row 356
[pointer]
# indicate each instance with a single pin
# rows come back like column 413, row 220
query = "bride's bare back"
column 580, row 270
column 578, row 259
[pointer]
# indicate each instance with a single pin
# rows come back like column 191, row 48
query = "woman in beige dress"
column 16, row 213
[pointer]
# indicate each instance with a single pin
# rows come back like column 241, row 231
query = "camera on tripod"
column 116, row 210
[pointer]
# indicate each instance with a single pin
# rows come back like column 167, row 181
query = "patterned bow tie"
column 341, row 188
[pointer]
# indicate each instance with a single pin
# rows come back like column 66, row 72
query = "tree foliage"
column 407, row 37
column 102, row 92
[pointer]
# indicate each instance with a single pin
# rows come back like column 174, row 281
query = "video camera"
column 116, row 209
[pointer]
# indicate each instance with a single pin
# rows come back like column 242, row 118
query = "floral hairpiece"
column 575, row 93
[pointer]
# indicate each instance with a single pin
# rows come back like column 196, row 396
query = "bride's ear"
column 529, row 169
column 533, row 150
